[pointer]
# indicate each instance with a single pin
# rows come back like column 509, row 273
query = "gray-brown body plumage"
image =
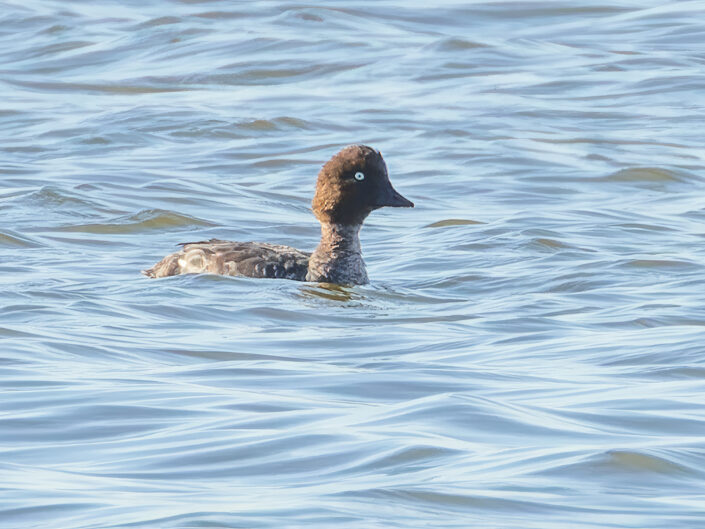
column 350, row 186
column 250, row 259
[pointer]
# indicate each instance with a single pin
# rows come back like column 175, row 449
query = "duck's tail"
column 169, row 266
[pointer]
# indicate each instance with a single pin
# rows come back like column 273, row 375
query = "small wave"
column 147, row 220
column 421, row 498
column 63, row 202
column 650, row 175
column 160, row 21
column 258, row 74
column 578, row 285
column 644, row 227
column 418, row 456
column 220, row 15
column 138, row 86
column 8, row 238
column 280, row 123
column 624, row 464
column 12, row 333
column 50, row 196
column 457, row 44
column 660, row 263
column 452, row 222
column 632, row 461
column 551, row 244
column 56, row 48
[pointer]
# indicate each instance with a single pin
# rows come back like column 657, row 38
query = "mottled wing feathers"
column 250, row 259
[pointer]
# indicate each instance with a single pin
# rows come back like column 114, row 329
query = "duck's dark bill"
column 395, row 200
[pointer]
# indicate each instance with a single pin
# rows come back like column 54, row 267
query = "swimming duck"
column 351, row 185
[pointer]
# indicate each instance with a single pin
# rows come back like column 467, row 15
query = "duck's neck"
column 338, row 257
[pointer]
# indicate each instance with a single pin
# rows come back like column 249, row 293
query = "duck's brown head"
column 352, row 184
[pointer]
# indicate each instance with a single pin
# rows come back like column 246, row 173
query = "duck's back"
column 251, row 259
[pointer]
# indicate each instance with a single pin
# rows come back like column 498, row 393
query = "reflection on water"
column 330, row 291
column 528, row 353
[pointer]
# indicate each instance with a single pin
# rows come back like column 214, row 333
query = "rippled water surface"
column 530, row 352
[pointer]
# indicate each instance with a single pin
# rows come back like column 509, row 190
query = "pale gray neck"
column 338, row 257
column 340, row 238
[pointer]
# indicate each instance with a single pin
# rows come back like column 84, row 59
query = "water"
column 529, row 353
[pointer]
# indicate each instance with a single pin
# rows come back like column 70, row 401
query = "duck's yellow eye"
column 359, row 176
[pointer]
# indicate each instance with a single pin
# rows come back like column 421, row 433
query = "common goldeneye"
column 350, row 186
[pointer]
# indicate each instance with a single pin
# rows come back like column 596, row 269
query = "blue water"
column 530, row 350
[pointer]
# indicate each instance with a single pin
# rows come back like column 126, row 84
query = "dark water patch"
column 457, row 44
column 221, row 15
column 56, row 28
column 696, row 373
column 161, row 21
column 24, row 149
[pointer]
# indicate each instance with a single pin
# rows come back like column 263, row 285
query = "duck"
column 350, row 186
